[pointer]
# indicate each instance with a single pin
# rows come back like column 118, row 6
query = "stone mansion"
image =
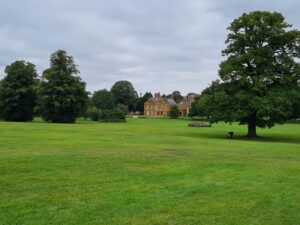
column 160, row 106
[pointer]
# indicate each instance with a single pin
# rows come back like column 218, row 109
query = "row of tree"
column 259, row 83
column 60, row 95
column 123, row 95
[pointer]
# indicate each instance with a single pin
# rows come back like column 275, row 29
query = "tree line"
column 123, row 97
column 116, row 102
column 258, row 85
column 59, row 95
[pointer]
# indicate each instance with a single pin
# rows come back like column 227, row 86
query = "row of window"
column 158, row 113
column 160, row 107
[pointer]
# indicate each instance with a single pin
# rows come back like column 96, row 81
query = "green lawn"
column 147, row 171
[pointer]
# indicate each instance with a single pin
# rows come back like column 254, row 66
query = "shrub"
column 174, row 113
column 123, row 108
column 117, row 114
column 114, row 115
column 94, row 114
column 199, row 124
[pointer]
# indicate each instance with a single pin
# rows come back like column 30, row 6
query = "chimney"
column 157, row 95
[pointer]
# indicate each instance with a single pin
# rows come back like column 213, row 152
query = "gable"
column 149, row 101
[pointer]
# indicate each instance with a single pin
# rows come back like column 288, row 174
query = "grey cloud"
column 158, row 45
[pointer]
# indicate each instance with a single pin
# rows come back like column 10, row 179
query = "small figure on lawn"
column 230, row 134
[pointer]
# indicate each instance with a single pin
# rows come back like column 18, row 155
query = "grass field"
column 147, row 171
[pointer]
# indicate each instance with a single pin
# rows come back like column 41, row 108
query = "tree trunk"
column 252, row 126
column 252, row 131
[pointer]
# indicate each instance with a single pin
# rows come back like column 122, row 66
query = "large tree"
column 62, row 92
column 104, row 99
column 176, row 95
column 125, row 94
column 260, row 77
column 18, row 92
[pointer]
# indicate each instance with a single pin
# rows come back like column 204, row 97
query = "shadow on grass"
column 223, row 136
column 275, row 139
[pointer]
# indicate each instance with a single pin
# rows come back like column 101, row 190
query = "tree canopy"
column 18, row 92
column 176, row 95
column 125, row 94
column 174, row 113
column 104, row 100
column 141, row 101
column 259, row 80
column 62, row 92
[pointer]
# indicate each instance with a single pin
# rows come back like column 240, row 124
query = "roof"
column 154, row 100
column 166, row 100
column 170, row 101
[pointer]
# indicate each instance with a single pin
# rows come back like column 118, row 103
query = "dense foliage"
column 125, row 94
column 62, row 93
column 141, row 101
column 106, row 115
column 104, row 99
column 260, row 78
column 176, row 95
column 93, row 113
column 18, row 92
column 123, row 108
column 111, row 115
column 195, row 110
column 174, row 113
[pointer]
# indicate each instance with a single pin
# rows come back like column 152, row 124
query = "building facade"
column 159, row 106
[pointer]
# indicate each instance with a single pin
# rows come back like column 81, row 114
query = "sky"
column 157, row 45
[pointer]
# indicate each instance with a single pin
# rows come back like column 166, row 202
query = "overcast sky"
column 158, row 45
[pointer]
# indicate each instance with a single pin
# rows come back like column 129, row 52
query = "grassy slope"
column 148, row 171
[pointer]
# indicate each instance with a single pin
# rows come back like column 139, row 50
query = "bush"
column 199, row 124
column 115, row 115
column 123, row 108
column 174, row 113
column 94, row 114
